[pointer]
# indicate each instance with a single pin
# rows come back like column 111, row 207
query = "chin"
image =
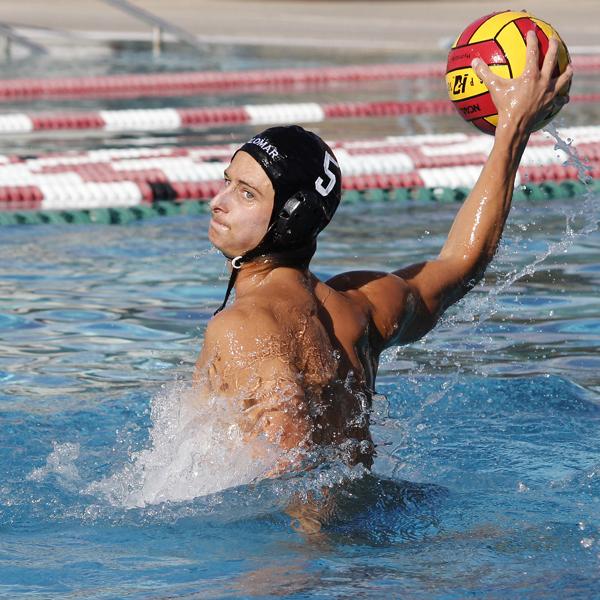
column 222, row 246
column 214, row 240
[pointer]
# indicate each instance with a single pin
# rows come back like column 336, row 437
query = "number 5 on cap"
column 324, row 191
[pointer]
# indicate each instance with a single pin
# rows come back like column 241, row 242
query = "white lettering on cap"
column 269, row 148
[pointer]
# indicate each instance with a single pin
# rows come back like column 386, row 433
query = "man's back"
column 308, row 353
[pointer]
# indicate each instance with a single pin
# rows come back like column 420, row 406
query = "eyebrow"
column 244, row 183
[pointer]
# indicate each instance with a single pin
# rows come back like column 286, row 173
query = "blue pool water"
column 487, row 479
column 487, row 482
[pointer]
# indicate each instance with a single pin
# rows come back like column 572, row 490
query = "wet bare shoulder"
column 389, row 300
column 236, row 338
column 241, row 328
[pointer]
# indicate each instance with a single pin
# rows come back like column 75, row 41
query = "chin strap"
column 236, row 264
column 235, row 269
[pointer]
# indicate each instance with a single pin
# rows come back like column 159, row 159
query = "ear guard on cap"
column 302, row 217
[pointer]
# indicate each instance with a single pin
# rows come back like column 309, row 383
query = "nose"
column 219, row 202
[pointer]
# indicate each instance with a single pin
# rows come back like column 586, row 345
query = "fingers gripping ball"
column 499, row 40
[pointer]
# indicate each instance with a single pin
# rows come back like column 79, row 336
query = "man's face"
column 241, row 211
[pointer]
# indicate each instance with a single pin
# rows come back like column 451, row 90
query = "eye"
column 226, row 182
column 247, row 195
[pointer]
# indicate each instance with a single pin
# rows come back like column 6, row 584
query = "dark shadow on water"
column 370, row 511
column 359, row 517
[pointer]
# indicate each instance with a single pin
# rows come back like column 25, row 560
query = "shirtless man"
column 298, row 355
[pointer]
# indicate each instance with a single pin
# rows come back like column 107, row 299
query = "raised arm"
column 407, row 303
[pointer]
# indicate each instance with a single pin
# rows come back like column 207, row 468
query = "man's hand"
column 528, row 99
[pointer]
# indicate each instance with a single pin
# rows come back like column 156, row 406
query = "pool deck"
column 376, row 26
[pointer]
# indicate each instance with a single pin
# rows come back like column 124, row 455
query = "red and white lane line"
column 170, row 119
column 128, row 178
column 188, row 168
column 186, row 83
column 430, row 150
column 70, row 193
column 462, row 148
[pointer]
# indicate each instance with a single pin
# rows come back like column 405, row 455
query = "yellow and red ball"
column 499, row 40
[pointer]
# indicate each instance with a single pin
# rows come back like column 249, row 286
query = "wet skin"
column 300, row 355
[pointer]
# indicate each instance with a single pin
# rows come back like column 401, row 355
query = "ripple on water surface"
column 487, row 474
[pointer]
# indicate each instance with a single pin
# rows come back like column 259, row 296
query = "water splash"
column 202, row 254
column 587, row 211
column 581, row 219
column 474, row 310
column 61, row 463
column 195, row 449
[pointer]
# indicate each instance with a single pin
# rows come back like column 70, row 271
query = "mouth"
column 218, row 225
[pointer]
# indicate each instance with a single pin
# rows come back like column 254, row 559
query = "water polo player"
column 300, row 355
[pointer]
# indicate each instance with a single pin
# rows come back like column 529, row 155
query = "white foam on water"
column 60, row 462
column 195, row 449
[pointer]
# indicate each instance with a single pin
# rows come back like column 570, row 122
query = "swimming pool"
column 487, row 480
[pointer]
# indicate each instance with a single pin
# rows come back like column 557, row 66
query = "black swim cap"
column 307, row 181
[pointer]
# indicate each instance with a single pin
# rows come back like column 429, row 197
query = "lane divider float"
column 120, row 178
column 204, row 82
column 450, row 148
column 171, row 119
column 71, row 190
